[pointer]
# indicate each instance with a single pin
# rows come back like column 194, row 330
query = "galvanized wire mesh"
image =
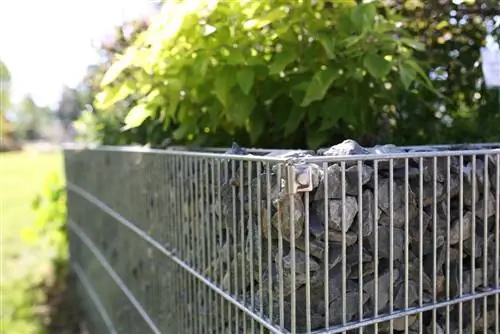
column 349, row 240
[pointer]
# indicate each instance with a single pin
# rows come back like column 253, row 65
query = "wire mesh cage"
column 347, row 239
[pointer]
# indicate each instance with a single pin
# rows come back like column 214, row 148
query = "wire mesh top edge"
column 399, row 155
column 211, row 153
column 428, row 151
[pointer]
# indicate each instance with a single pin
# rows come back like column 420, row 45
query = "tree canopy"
column 302, row 74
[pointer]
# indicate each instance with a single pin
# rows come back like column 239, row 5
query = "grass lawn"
column 23, row 266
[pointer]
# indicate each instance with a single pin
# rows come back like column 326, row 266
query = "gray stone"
column 336, row 310
column 347, row 147
column 284, row 219
column 479, row 174
column 316, row 247
column 383, row 245
column 367, row 214
column 336, row 212
column 465, row 225
column 334, row 181
column 338, row 237
column 382, row 291
column 491, row 207
column 398, row 195
column 300, row 262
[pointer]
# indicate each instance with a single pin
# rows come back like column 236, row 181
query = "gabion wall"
column 346, row 239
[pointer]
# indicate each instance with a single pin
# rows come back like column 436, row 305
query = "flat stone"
column 300, row 262
column 337, row 237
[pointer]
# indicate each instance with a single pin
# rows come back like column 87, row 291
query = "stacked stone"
column 446, row 210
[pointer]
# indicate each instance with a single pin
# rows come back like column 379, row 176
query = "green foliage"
column 31, row 251
column 50, row 223
column 465, row 110
column 279, row 74
column 265, row 73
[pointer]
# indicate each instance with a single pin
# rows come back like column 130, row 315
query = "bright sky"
column 48, row 43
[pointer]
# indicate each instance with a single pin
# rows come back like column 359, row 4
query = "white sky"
column 48, row 43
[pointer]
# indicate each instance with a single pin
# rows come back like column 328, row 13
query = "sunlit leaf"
column 109, row 96
column 120, row 64
column 271, row 16
column 319, row 85
column 136, row 116
column 376, row 65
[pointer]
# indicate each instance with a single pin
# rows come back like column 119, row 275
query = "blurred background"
column 264, row 73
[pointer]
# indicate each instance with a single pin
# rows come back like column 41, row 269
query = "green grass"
column 24, row 266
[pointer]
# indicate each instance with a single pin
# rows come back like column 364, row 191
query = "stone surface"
column 450, row 227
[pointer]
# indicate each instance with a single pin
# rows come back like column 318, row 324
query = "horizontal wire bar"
column 122, row 220
column 102, row 260
column 93, row 297
column 395, row 155
column 167, row 151
column 410, row 311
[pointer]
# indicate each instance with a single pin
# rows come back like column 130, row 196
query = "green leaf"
column 319, row 85
column 136, row 116
column 245, row 78
column 363, row 16
column 328, row 44
column 413, row 44
column 224, row 81
column 333, row 109
column 294, row 119
column 281, row 61
column 273, row 15
column 242, row 108
column 424, row 77
column 117, row 67
column 110, row 95
column 407, row 74
column 376, row 65
column 256, row 128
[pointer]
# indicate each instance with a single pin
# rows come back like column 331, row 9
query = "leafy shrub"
column 265, row 73
column 50, row 223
